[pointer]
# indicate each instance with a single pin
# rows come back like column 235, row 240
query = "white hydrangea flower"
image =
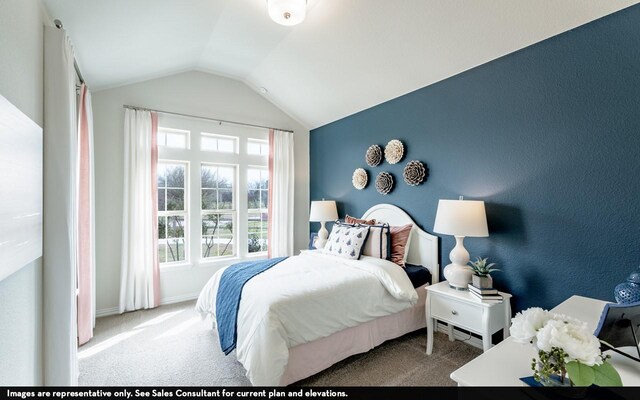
column 525, row 325
column 573, row 337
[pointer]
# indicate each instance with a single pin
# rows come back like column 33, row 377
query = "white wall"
column 195, row 93
column 21, row 82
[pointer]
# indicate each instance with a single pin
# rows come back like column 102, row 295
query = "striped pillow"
column 378, row 242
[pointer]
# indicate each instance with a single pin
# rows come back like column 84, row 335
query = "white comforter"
column 304, row 298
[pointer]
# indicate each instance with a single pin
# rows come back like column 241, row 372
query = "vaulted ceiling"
column 348, row 55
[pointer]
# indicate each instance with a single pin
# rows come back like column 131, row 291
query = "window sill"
column 175, row 267
column 230, row 260
column 209, row 262
column 257, row 255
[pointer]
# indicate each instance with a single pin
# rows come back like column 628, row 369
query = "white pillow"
column 346, row 241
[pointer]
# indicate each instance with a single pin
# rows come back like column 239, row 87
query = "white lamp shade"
column 461, row 218
column 322, row 211
column 287, row 12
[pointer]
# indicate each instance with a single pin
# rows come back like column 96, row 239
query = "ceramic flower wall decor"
column 384, row 183
column 359, row 178
column 374, row 155
column 394, row 151
column 414, row 173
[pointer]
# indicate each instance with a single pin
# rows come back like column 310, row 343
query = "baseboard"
column 105, row 312
column 179, row 299
column 462, row 336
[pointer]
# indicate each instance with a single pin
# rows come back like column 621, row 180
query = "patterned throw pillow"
column 346, row 241
column 378, row 243
column 351, row 220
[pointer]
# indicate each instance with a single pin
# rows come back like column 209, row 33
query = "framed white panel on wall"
column 20, row 189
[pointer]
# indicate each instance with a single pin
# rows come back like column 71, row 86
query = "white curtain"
column 281, row 181
column 139, row 276
column 59, row 215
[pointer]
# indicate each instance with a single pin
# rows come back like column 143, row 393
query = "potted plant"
column 482, row 273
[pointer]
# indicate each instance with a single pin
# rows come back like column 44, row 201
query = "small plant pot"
column 482, row 282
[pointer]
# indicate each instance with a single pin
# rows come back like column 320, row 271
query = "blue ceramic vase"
column 629, row 291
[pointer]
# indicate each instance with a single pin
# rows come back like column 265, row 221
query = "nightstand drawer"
column 459, row 313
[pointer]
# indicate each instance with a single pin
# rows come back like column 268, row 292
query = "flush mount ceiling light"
column 287, row 12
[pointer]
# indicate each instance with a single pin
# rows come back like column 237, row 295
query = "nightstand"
column 460, row 308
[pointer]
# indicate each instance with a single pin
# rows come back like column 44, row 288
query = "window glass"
column 218, row 143
column 257, row 204
column 218, row 210
column 172, row 212
column 258, row 147
column 174, row 138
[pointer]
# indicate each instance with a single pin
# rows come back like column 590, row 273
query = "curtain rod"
column 222, row 121
column 58, row 25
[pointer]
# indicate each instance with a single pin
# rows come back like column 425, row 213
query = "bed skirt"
column 310, row 358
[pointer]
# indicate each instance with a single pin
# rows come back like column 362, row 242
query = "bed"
column 288, row 331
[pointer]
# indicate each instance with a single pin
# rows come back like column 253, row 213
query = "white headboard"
column 423, row 249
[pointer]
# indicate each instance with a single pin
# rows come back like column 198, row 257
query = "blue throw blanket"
column 229, row 294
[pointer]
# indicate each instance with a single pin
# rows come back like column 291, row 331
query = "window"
column 258, row 147
column 257, row 204
column 219, row 143
column 218, row 210
column 172, row 212
column 213, row 192
column 175, row 138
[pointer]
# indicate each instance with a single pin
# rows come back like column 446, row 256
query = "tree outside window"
column 172, row 212
column 218, row 210
column 258, row 209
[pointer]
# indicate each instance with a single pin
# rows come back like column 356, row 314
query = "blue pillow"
column 418, row 275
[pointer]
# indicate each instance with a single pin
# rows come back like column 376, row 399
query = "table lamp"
column 460, row 218
column 323, row 211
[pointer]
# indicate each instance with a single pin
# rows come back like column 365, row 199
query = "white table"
column 460, row 308
column 507, row 362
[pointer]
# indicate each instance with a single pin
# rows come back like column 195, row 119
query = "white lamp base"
column 458, row 273
column 458, row 276
column 323, row 235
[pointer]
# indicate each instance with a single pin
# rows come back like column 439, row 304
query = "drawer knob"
column 454, row 312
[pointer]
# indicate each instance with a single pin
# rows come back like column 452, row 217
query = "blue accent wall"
column 548, row 137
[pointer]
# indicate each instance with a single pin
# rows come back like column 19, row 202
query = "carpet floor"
column 172, row 346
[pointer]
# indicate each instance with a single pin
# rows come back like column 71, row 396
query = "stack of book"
column 485, row 295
